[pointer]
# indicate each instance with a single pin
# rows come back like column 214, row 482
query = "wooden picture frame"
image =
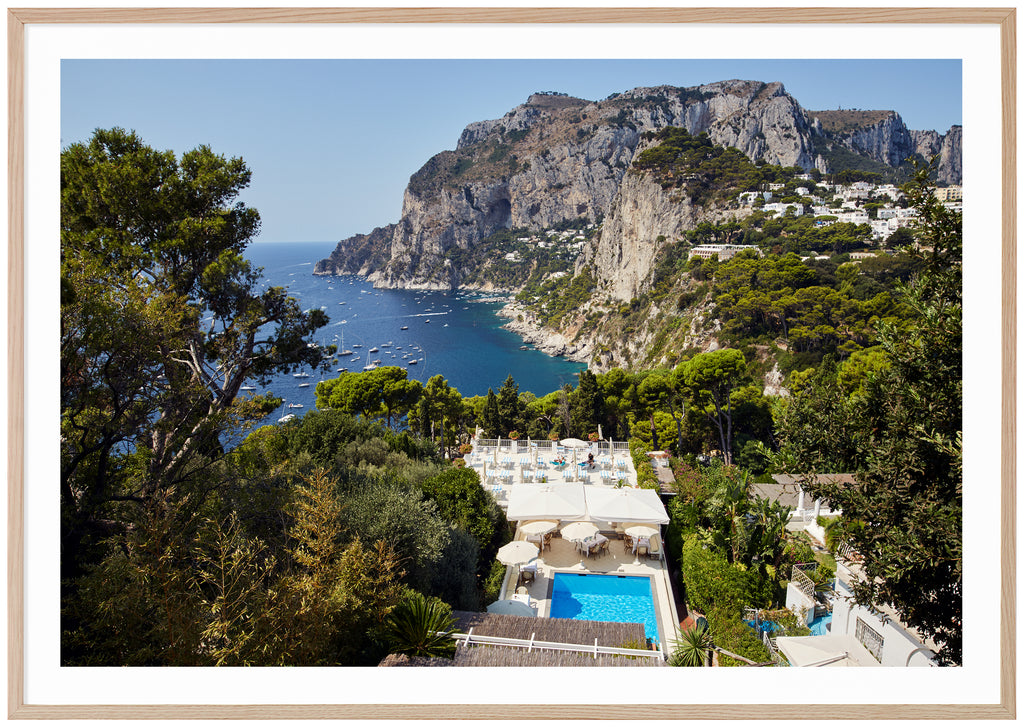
column 17, row 22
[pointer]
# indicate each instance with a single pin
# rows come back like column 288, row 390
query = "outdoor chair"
column 654, row 549
column 628, row 543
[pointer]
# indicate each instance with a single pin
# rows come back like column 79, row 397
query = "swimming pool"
column 820, row 625
column 593, row 597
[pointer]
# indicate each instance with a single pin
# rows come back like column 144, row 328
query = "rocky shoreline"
column 525, row 325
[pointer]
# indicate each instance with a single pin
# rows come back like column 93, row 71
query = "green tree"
column 587, row 404
column 510, row 408
column 908, row 424
column 711, row 378
column 666, row 389
column 491, row 419
column 162, row 322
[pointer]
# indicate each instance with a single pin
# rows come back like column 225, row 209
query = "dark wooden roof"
column 483, row 655
column 558, row 630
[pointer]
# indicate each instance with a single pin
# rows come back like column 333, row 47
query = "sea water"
column 457, row 335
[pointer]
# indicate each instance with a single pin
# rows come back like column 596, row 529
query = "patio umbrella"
column 625, row 505
column 641, row 531
column 511, row 607
column 580, row 530
column 546, row 502
column 538, row 527
column 574, row 443
column 484, row 475
column 517, row 552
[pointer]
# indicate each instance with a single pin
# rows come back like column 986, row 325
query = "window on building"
column 871, row 639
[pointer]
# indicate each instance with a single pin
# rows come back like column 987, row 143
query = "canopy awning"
column 625, row 504
column 546, row 502
column 828, row 650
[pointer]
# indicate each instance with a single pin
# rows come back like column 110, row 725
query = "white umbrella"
column 538, row 527
column 580, row 530
column 546, row 502
column 484, row 475
column 641, row 531
column 625, row 505
column 517, row 552
column 511, row 607
column 573, row 442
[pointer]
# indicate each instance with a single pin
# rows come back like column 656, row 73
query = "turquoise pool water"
column 819, row 626
column 592, row 597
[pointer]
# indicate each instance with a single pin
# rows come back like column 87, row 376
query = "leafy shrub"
column 645, row 476
column 711, row 583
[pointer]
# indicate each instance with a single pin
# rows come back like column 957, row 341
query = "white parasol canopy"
column 538, row 527
column 517, row 552
column 828, row 650
column 641, row 531
column 511, row 607
column 580, row 530
column 574, row 443
column 547, row 502
column 625, row 505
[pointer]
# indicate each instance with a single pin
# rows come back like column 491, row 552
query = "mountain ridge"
column 557, row 157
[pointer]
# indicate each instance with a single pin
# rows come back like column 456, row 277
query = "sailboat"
column 344, row 351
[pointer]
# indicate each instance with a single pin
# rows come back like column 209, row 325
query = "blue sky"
column 332, row 143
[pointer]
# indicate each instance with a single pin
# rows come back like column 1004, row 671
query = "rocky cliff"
column 558, row 158
column 882, row 137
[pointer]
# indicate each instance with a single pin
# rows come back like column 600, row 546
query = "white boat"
column 374, row 349
column 371, row 367
column 405, row 328
column 301, row 375
column 413, row 361
column 296, row 406
column 342, row 371
column 248, row 388
column 303, row 386
column 377, row 361
column 286, row 418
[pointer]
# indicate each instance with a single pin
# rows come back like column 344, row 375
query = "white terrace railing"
column 803, row 581
column 603, row 446
column 530, row 644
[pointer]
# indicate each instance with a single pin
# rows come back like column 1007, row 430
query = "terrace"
column 505, row 463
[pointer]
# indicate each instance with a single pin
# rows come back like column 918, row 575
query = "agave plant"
column 693, row 647
column 419, row 626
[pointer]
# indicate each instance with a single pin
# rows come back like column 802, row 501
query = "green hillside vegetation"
column 535, row 260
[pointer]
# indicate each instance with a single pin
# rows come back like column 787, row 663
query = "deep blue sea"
column 457, row 335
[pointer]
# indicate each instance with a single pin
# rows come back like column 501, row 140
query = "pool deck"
column 562, row 557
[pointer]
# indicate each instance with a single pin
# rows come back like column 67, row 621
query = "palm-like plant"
column 693, row 647
column 420, row 627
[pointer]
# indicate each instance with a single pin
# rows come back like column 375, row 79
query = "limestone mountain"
column 557, row 158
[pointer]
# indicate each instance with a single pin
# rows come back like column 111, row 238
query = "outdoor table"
column 641, row 543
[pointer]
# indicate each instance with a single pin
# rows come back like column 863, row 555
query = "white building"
column 779, row 208
column 888, row 190
column 857, row 217
column 724, row 252
column 856, row 635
